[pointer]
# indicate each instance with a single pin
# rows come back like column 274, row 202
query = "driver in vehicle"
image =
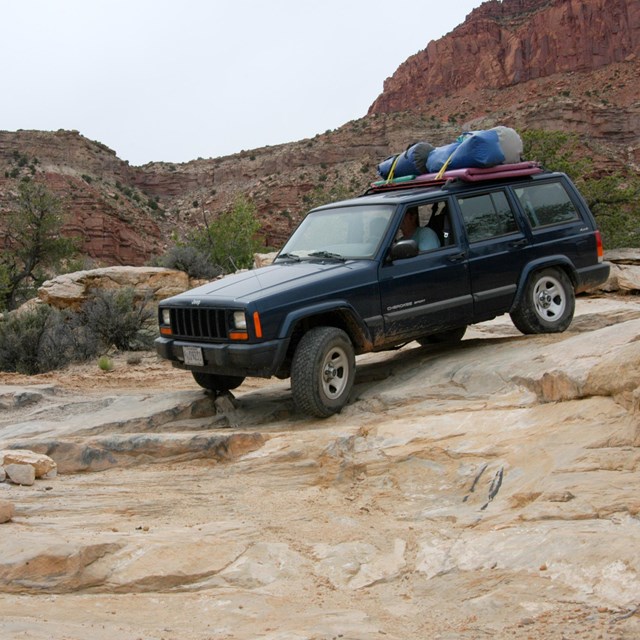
column 410, row 228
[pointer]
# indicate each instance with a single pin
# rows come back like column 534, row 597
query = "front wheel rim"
column 335, row 373
column 549, row 299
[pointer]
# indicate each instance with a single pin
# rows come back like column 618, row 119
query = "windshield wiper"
column 290, row 256
column 327, row 254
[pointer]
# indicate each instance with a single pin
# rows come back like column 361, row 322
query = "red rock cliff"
column 506, row 43
column 112, row 219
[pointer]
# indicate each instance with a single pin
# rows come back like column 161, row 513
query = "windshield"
column 342, row 233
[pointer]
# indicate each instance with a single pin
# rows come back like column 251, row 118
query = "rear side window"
column 546, row 204
column 487, row 216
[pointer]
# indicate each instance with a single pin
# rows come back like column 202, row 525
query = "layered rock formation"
column 115, row 222
column 548, row 64
column 512, row 42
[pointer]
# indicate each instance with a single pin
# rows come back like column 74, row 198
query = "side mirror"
column 404, row 249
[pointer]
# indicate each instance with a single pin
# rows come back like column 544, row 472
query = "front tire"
column 547, row 304
column 323, row 371
column 215, row 382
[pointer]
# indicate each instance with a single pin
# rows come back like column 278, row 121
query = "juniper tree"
column 30, row 242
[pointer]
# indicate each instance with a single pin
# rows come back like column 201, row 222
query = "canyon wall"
column 501, row 44
column 531, row 64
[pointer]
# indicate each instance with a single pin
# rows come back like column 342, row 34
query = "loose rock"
column 42, row 464
column 7, row 511
column 23, row 474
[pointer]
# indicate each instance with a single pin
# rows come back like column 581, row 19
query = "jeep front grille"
column 201, row 323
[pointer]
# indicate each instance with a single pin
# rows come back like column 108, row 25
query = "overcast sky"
column 174, row 80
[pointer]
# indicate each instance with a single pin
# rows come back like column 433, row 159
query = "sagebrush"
column 118, row 318
column 43, row 338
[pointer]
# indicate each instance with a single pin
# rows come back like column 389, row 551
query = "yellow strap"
column 393, row 168
column 445, row 165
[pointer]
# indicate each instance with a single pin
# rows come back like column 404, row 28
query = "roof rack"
column 469, row 174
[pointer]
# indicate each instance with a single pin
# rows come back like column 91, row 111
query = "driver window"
column 438, row 218
column 428, row 224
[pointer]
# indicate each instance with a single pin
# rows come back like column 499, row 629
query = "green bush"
column 613, row 198
column 105, row 363
column 615, row 203
column 231, row 240
column 224, row 245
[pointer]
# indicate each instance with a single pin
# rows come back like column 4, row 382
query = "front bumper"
column 261, row 360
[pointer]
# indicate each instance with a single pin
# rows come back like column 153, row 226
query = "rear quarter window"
column 546, row 204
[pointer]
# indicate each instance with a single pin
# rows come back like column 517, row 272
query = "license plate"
column 193, row 356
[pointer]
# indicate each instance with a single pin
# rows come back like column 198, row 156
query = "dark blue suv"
column 417, row 260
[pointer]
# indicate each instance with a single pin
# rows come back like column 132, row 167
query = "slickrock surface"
column 485, row 490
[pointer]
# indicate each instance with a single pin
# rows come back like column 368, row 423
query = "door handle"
column 456, row 257
column 518, row 243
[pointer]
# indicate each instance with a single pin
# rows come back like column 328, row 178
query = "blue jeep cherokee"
column 348, row 282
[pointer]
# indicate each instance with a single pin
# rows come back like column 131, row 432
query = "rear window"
column 546, row 204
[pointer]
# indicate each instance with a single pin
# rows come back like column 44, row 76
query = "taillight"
column 599, row 246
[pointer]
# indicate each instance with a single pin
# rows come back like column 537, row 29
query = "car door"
column 498, row 250
column 429, row 292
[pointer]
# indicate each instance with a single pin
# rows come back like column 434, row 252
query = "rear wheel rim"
column 549, row 299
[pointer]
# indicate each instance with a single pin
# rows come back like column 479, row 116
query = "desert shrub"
column 190, row 259
column 37, row 341
column 324, row 195
column 105, row 363
column 613, row 198
column 44, row 338
column 231, row 240
column 557, row 151
column 614, row 201
column 224, row 245
column 117, row 318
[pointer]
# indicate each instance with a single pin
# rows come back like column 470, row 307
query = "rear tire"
column 547, row 304
column 215, row 382
column 323, row 371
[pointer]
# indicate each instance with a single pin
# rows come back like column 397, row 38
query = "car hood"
column 257, row 284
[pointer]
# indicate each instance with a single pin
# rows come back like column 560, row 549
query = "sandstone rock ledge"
column 70, row 290
column 625, row 271
column 486, row 490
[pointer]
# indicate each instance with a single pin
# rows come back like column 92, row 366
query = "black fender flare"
column 357, row 330
column 560, row 261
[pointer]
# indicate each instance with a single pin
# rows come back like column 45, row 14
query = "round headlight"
column 166, row 316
